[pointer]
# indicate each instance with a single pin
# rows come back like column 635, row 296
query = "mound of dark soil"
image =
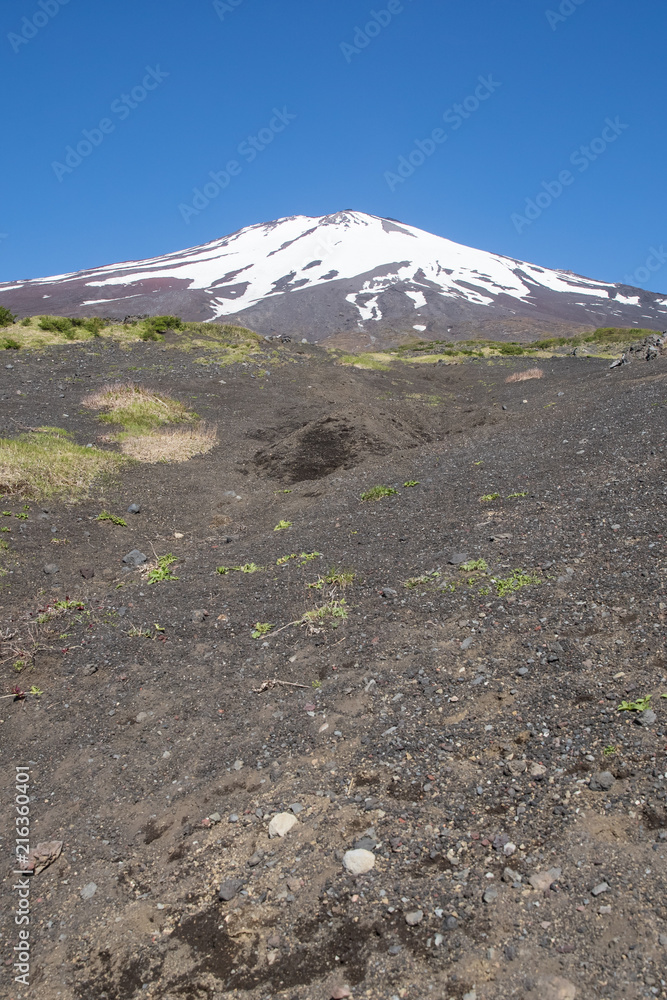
column 335, row 442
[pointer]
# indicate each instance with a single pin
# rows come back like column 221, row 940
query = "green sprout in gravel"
column 162, row 571
column 247, row 568
column 417, row 581
column 639, row 705
column 262, row 629
column 106, row 516
column 333, row 609
column 489, row 497
column 514, row 496
column 411, row 482
column 474, row 565
column 378, row 492
column 282, row 525
column 515, row 581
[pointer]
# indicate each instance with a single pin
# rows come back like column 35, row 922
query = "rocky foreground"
column 400, row 747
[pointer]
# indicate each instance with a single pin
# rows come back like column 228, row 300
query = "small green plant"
column 5, row 529
column 162, row 571
column 378, row 492
column 262, row 629
column 610, row 750
column 411, row 482
column 137, row 633
column 484, row 591
column 417, row 581
column 19, row 665
column 474, row 565
column 162, row 324
column 7, row 318
column 247, row 568
column 515, row 581
column 333, row 609
column 513, row 496
column 316, row 685
column 35, row 691
column 26, row 321
column 307, row 557
column 283, row 560
column 488, row 497
column 282, row 525
column 334, row 578
column 106, row 516
column 9, row 344
column 639, row 705
column 22, row 517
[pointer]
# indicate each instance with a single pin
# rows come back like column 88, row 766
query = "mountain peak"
column 351, row 274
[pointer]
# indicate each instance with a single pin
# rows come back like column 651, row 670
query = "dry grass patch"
column 49, row 464
column 175, row 444
column 137, row 408
column 526, row 375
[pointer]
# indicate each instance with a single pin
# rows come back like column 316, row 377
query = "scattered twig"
column 265, row 685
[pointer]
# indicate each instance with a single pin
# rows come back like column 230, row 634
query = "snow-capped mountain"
column 352, row 274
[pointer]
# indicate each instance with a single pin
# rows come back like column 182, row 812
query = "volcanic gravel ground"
column 466, row 734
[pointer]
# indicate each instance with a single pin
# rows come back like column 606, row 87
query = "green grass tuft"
column 378, row 492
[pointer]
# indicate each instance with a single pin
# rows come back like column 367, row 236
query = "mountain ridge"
column 348, row 276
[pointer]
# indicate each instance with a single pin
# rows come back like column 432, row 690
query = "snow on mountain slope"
column 344, row 273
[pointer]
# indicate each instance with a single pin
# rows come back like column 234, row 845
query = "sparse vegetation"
column 525, row 376
column 515, row 581
column 7, row 318
column 336, row 610
column 161, row 571
column 474, row 565
column 261, row 629
column 334, row 578
column 248, row 568
column 411, row 482
column 48, row 464
column 418, row 581
column 106, row 516
column 488, row 497
column 638, row 705
column 147, row 418
column 283, row 525
column 379, row 492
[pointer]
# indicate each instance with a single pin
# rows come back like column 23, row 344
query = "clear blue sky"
column 356, row 113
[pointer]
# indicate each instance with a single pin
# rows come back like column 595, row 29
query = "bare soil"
column 440, row 725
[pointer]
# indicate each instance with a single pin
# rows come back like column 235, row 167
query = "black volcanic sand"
column 434, row 726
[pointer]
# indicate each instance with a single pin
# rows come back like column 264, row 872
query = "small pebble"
column 229, row 889
column 281, row 824
column 359, row 862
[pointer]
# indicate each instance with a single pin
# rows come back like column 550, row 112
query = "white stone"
column 281, row 824
column 359, row 862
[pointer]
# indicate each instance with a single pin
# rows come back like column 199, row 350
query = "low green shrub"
column 7, row 318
